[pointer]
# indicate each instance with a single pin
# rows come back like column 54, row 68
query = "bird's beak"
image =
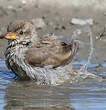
column 11, row 36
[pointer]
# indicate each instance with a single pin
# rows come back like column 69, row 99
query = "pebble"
column 24, row 1
column 81, row 21
column 10, row 7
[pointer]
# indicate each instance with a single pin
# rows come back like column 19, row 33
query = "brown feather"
column 50, row 52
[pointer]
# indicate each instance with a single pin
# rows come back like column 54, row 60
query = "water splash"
column 85, row 29
column 82, row 72
column 85, row 66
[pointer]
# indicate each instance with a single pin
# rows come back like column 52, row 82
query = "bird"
column 34, row 57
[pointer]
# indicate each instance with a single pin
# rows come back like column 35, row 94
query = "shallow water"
column 25, row 95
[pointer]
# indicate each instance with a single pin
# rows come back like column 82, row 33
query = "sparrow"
column 35, row 57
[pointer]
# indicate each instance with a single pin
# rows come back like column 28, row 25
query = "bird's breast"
column 15, row 59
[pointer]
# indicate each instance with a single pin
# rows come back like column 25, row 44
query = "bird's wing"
column 51, row 53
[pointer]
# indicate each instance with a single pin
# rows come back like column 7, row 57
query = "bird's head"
column 21, row 31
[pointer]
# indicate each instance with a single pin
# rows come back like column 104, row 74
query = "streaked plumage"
column 29, row 55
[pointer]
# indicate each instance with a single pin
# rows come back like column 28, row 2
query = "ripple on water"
column 85, row 95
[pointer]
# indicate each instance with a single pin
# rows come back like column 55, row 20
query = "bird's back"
column 47, row 51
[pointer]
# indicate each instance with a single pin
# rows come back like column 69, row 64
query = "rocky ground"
column 56, row 17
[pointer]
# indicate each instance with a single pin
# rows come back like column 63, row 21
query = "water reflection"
column 29, row 96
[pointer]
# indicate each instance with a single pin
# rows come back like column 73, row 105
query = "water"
column 88, row 94
column 25, row 95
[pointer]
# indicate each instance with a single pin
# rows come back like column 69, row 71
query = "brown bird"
column 30, row 56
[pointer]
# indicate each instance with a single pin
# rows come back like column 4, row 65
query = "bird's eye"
column 21, row 32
